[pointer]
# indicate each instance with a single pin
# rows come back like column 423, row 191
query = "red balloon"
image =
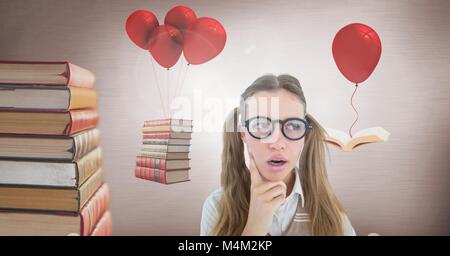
column 180, row 17
column 140, row 25
column 203, row 40
column 166, row 45
column 356, row 51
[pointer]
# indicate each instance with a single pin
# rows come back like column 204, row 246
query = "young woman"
column 285, row 189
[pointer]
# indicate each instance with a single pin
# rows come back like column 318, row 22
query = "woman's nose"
column 276, row 139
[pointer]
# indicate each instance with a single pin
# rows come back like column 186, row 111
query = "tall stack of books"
column 50, row 155
column 164, row 155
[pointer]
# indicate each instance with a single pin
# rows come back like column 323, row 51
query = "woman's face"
column 280, row 104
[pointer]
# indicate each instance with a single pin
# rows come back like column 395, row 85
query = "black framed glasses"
column 260, row 127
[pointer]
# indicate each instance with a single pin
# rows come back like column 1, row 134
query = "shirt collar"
column 298, row 186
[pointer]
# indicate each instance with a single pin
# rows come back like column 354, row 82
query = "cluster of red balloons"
column 199, row 39
column 356, row 51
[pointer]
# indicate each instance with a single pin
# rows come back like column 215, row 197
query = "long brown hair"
column 320, row 200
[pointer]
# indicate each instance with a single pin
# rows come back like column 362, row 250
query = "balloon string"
column 159, row 89
column 357, row 115
column 181, row 68
column 168, row 92
column 184, row 69
column 184, row 78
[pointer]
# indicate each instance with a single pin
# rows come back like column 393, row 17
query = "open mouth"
column 277, row 162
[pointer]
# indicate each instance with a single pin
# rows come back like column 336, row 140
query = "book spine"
column 94, row 209
column 88, row 188
column 87, row 165
column 157, row 141
column 81, row 120
column 82, row 98
column 167, row 128
column 79, row 77
column 151, row 174
column 85, row 142
column 156, row 135
column 151, row 162
column 176, row 122
column 160, row 155
column 156, row 122
column 104, row 226
column 155, row 148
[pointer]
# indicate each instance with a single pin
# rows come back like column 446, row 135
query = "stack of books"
column 164, row 155
column 50, row 155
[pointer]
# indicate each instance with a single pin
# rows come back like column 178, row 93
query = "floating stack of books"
column 50, row 157
column 164, row 156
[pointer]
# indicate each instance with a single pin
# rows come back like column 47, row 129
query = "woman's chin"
column 274, row 176
column 278, row 174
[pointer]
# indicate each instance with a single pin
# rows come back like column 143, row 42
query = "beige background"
column 397, row 188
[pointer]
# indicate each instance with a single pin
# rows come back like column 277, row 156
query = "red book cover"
column 156, row 135
column 151, row 162
column 166, row 135
column 167, row 121
column 157, row 175
column 94, row 210
column 68, row 74
column 151, row 174
column 157, row 122
column 104, row 226
column 79, row 77
column 82, row 120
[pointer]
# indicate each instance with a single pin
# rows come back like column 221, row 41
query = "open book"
column 343, row 140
